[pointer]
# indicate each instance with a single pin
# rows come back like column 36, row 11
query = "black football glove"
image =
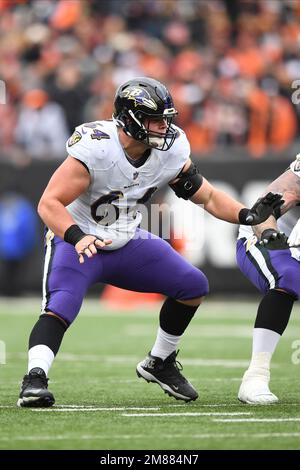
column 274, row 240
column 262, row 209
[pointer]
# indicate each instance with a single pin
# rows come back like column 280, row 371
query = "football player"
column 277, row 275
column 90, row 209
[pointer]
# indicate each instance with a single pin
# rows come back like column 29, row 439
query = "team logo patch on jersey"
column 75, row 137
column 140, row 97
column 99, row 135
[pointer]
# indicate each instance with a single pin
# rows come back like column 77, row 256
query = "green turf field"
column 101, row 404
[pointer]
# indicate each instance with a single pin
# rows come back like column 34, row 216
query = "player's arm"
column 270, row 223
column 191, row 185
column 67, row 183
column 288, row 184
column 294, row 238
column 218, row 203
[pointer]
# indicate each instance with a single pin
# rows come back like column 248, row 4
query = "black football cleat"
column 34, row 390
column 167, row 374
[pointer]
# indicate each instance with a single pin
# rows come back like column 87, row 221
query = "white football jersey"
column 287, row 222
column 108, row 209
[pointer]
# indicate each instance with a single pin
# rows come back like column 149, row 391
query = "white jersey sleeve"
column 295, row 165
column 87, row 144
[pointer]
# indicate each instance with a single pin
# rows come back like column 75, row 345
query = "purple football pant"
column 269, row 269
column 142, row 265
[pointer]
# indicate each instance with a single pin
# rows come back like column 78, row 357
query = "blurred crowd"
column 231, row 66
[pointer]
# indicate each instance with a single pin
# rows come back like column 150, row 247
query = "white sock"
column 264, row 340
column 40, row 356
column 260, row 360
column 165, row 344
column 264, row 345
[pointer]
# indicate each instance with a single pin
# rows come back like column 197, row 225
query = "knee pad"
column 194, row 284
column 65, row 304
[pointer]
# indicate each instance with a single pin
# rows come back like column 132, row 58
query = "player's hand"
column 263, row 208
column 294, row 238
column 274, row 240
column 88, row 246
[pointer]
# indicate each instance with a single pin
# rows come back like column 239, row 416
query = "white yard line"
column 91, row 437
column 67, row 437
column 256, row 420
column 130, row 360
column 111, row 408
column 196, row 413
column 94, row 408
column 182, row 406
column 237, row 435
column 220, row 330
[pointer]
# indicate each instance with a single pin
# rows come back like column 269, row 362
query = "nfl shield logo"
column 135, row 175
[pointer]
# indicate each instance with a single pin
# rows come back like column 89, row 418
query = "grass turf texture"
column 95, row 370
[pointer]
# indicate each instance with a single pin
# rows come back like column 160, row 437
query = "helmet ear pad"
column 141, row 135
column 132, row 127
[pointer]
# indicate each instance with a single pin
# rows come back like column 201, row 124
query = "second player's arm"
column 288, row 184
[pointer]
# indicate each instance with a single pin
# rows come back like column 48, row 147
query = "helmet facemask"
column 139, row 128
